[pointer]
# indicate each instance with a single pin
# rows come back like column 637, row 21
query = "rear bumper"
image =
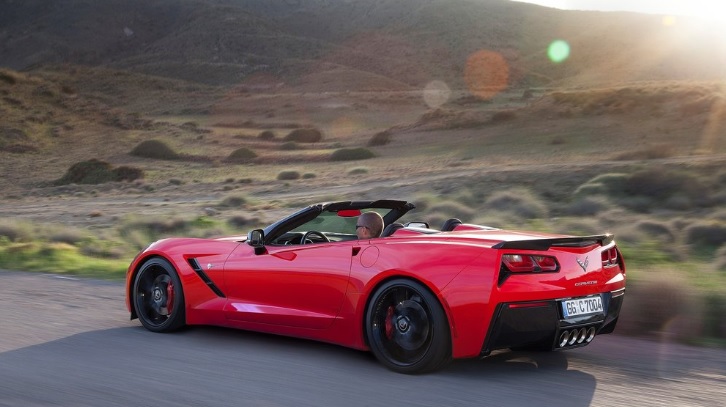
column 542, row 325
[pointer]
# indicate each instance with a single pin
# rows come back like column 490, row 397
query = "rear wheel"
column 407, row 328
column 158, row 296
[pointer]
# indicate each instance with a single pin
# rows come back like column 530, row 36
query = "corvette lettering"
column 581, row 283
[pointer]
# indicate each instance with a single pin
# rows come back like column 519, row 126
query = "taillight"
column 609, row 257
column 526, row 263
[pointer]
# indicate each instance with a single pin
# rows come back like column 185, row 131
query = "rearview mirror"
column 256, row 238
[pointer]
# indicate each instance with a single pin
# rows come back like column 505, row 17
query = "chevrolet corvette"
column 416, row 297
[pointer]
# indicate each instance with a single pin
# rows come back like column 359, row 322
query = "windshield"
column 331, row 222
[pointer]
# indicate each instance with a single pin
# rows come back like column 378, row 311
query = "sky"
column 711, row 9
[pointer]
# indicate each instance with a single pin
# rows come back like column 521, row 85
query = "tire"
column 158, row 296
column 407, row 329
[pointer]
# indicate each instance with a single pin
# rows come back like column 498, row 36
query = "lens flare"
column 558, row 51
column 669, row 21
column 486, row 74
column 436, row 93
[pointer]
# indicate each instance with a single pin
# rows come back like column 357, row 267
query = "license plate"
column 582, row 306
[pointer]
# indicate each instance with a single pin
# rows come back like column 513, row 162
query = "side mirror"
column 256, row 239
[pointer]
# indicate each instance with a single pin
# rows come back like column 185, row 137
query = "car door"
column 294, row 285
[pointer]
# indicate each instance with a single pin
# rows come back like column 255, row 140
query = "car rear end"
column 555, row 293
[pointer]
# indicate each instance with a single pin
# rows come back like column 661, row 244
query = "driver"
column 369, row 225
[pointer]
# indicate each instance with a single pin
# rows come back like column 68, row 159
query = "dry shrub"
column 96, row 171
column 156, row 149
column 357, row 171
column 309, row 175
column 15, row 231
column 290, row 146
column 351, row 154
column 519, row 201
column 587, row 206
column 242, row 155
column 305, row 135
column 380, row 139
column 68, row 236
column 503, row 116
column 650, row 153
column 658, row 230
column 708, row 234
column 451, row 209
column 658, row 304
column 233, row 201
column 288, row 175
column 241, row 221
column 266, row 135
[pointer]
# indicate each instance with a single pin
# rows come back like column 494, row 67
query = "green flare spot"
column 558, row 51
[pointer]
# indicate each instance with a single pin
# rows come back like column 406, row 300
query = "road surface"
column 69, row 342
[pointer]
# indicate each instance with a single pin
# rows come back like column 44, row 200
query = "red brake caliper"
column 169, row 298
column 389, row 322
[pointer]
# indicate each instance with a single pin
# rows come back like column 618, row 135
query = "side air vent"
column 200, row 272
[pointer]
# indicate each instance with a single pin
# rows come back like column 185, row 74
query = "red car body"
column 497, row 289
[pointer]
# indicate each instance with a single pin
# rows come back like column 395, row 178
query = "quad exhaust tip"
column 576, row 336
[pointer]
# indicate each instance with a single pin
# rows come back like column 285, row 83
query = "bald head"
column 369, row 225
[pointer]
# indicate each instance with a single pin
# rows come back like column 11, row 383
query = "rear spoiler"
column 545, row 244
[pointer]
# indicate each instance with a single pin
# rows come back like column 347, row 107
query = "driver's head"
column 369, row 225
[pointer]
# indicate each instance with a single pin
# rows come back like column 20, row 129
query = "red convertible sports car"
column 415, row 296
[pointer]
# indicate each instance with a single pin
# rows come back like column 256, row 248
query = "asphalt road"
column 69, row 342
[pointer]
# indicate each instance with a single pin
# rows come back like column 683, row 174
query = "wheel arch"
column 379, row 284
column 138, row 263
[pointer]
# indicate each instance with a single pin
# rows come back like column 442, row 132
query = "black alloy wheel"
column 158, row 296
column 407, row 328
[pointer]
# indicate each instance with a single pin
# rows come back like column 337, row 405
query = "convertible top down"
column 416, row 297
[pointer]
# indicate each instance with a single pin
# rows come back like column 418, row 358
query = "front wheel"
column 407, row 328
column 158, row 296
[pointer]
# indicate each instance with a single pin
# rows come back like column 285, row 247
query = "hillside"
column 410, row 42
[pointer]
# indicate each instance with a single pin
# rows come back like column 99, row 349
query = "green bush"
column 288, row 175
column 155, row 149
column 305, row 135
column 309, row 175
column 659, row 184
column 233, row 201
column 351, row 154
column 242, row 155
column 380, row 139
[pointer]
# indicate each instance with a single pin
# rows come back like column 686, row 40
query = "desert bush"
column 288, row 175
column 357, row 171
column 603, row 184
column 660, row 184
column 127, row 173
column 156, row 149
column 452, row 209
column 232, row 201
column 242, row 155
column 351, row 154
column 305, row 135
column 518, row 201
column 289, row 146
column 720, row 259
column 706, row 234
column 309, row 175
column 649, row 153
column 14, row 231
column 503, row 116
column 586, row 206
column 8, row 77
column 96, row 171
column 714, row 324
column 658, row 304
column 380, row 139
column 655, row 229
column 241, row 222
column 68, row 236
column 266, row 135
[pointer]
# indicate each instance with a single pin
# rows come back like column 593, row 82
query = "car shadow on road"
column 211, row 366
